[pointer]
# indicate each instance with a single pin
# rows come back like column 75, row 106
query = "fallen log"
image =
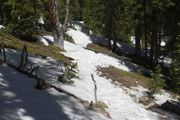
column 172, row 106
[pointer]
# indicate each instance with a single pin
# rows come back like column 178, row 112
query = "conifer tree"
column 93, row 15
column 22, row 18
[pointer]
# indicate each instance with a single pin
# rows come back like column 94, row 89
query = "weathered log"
column 173, row 106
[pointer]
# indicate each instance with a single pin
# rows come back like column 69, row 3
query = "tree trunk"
column 157, row 48
column 108, row 24
column 35, row 11
column 95, row 89
column 58, row 29
column 145, row 30
column 138, row 40
column 4, row 18
column 114, row 27
column 153, row 37
column 66, row 17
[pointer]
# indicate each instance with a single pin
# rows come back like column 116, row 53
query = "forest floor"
column 21, row 101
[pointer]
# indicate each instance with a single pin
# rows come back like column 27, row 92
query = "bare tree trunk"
column 24, row 62
column 153, row 37
column 114, row 27
column 108, row 24
column 4, row 19
column 145, row 29
column 158, row 48
column 66, row 17
column 138, row 40
column 95, row 89
column 2, row 51
column 58, row 29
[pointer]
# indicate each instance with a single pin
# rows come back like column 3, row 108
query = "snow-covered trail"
column 19, row 100
column 121, row 106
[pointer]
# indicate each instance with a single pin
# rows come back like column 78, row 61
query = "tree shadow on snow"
column 19, row 100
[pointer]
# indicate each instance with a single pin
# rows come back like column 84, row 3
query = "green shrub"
column 157, row 83
column 70, row 72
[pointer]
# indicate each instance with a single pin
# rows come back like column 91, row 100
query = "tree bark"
column 108, row 23
column 66, row 17
column 157, row 48
column 95, row 89
column 114, row 27
column 145, row 30
column 58, row 29
column 138, row 40
column 153, row 37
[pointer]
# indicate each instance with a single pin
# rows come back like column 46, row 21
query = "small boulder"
column 144, row 100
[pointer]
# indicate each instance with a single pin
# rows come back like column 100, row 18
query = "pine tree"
column 157, row 83
column 22, row 17
column 76, row 9
column 93, row 15
column 175, row 66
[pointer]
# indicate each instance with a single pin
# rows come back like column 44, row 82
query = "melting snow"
column 120, row 105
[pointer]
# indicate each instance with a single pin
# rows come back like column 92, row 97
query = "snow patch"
column 162, row 98
column 41, row 20
column 79, row 37
column 1, row 26
column 46, row 40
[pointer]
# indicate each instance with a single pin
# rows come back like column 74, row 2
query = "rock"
column 143, row 100
column 173, row 106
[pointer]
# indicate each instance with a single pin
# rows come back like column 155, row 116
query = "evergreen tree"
column 93, row 15
column 76, row 9
column 22, row 18
column 157, row 83
column 175, row 47
column 175, row 66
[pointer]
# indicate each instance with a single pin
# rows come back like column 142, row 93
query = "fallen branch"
column 95, row 88
column 2, row 51
column 24, row 59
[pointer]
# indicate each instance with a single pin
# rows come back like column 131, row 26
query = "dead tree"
column 34, row 70
column 24, row 62
column 58, row 29
column 95, row 88
column 2, row 51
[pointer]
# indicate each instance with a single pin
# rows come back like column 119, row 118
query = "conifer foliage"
column 150, row 22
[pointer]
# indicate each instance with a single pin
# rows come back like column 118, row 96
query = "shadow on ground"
column 19, row 100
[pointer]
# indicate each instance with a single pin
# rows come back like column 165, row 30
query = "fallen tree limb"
column 95, row 89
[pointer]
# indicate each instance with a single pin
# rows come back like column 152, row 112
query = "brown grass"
column 99, row 49
column 128, row 79
column 36, row 49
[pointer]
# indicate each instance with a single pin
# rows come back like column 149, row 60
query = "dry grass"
column 128, row 79
column 101, row 105
column 66, row 36
column 99, row 49
column 36, row 49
